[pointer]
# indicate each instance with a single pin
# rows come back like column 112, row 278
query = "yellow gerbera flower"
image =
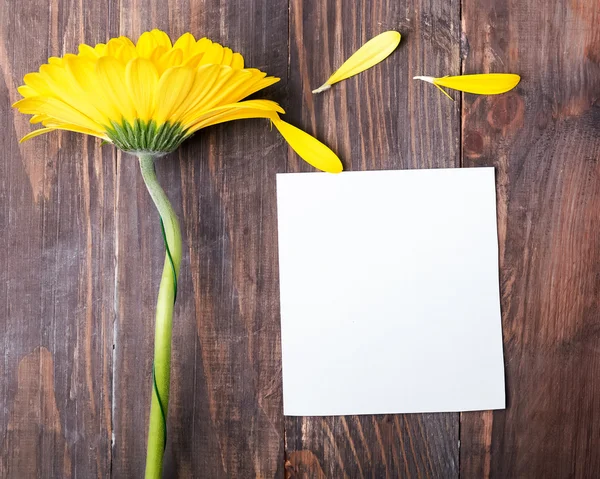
column 149, row 97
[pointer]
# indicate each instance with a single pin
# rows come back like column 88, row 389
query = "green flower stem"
column 161, row 371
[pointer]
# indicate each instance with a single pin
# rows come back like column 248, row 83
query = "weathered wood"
column 417, row 445
column 544, row 139
column 380, row 119
column 57, row 243
column 83, row 253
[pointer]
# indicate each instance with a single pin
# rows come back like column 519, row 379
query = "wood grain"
column 57, row 243
column 544, row 140
column 82, row 252
column 380, row 119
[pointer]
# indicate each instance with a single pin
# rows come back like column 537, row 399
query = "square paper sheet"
column 389, row 292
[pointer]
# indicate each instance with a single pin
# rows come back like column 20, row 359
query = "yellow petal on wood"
column 161, row 38
column 480, row 84
column 38, row 119
column 121, row 48
column 88, row 51
column 237, row 62
column 64, row 87
column 127, row 51
column 186, row 43
column 27, row 91
column 76, row 129
column 370, row 54
column 236, row 111
column 213, row 54
column 57, row 109
column 36, row 81
column 201, row 46
column 309, row 148
column 34, row 133
column 227, row 56
column 228, row 93
column 150, row 41
column 258, row 83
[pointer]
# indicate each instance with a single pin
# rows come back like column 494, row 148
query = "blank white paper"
column 389, row 292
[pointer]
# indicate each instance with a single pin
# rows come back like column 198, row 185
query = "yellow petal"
column 258, row 82
column 27, row 91
column 83, row 71
column 227, row 56
column 236, row 111
column 145, row 45
column 480, row 84
column 122, row 48
column 263, row 105
column 214, row 54
column 227, row 87
column 85, row 131
column 149, row 41
column 237, row 62
column 161, row 38
column 201, row 46
column 157, row 53
column 64, row 87
column 172, row 90
column 309, row 148
column 35, row 133
column 206, row 76
column 221, row 89
column 38, row 119
column 170, row 59
column 370, row 54
column 88, row 52
column 58, row 110
column 186, row 43
column 113, row 46
column 111, row 78
column 142, row 77
column 37, row 82
column 77, row 129
column 193, row 61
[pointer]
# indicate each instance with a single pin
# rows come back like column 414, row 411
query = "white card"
column 389, row 292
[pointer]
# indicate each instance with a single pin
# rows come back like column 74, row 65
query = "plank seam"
column 461, row 165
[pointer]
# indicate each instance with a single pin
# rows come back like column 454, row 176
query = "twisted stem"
column 161, row 370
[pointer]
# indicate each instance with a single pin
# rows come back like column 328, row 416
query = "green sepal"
column 142, row 137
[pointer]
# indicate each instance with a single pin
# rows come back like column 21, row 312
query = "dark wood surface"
column 544, row 140
column 82, row 254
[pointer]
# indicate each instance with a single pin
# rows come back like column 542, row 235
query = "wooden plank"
column 57, row 275
column 381, row 119
column 225, row 407
column 544, row 141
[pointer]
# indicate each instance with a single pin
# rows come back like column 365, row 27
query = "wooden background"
column 82, row 252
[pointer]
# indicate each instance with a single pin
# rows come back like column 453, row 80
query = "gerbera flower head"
column 150, row 96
